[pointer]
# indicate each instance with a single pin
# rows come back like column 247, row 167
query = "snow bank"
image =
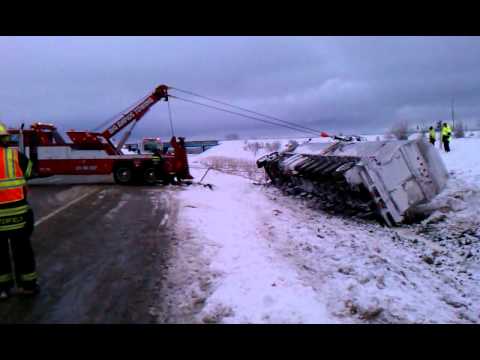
column 249, row 254
column 252, row 285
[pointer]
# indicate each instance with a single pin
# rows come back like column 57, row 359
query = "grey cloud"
column 357, row 84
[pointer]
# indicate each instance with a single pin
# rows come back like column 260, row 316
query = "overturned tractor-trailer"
column 383, row 179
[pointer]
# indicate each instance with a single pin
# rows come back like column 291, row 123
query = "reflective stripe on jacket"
column 12, row 180
column 16, row 218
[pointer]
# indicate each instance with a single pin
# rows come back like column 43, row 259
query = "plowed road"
column 100, row 250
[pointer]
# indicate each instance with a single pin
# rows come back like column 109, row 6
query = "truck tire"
column 149, row 176
column 123, row 175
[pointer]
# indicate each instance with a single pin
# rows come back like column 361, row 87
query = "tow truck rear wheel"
column 149, row 176
column 123, row 175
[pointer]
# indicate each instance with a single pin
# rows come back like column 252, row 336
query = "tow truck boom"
column 137, row 112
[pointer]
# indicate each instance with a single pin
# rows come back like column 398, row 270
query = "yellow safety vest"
column 432, row 134
column 12, row 180
column 446, row 131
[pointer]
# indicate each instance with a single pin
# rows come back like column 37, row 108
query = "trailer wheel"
column 123, row 175
column 149, row 176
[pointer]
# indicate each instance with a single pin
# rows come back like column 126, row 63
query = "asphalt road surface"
column 100, row 252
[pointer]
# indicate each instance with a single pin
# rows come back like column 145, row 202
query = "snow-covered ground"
column 249, row 254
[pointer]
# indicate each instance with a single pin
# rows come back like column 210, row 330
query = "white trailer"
column 395, row 175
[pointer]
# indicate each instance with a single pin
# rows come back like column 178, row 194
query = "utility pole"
column 453, row 115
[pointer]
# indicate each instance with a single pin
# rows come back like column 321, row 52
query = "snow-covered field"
column 249, row 254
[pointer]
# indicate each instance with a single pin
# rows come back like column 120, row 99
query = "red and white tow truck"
column 94, row 153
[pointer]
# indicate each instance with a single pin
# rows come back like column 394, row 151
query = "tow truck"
column 94, row 153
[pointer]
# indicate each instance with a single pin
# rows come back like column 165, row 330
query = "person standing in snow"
column 432, row 135
column 446, row 136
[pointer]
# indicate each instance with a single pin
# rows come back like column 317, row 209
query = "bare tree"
column 400, row 130
column 459, row 131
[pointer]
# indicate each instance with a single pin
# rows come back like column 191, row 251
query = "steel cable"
column 170, row 117
column 243, row 115
column 247, row 110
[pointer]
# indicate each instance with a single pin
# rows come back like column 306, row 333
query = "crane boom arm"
column 137, row 112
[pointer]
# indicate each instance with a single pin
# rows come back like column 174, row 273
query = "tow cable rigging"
column 293, row 127
column 276, row 120
column 234, row 110
column 170, row 116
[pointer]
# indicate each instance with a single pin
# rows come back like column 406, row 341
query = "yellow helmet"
column 3, row 130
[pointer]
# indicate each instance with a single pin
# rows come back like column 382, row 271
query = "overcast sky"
column 338, row 84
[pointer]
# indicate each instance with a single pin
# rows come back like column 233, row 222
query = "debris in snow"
column 435, row 218
column 199, row 301
column 308, row 248
column 455, row 304
column 346, row 270
column 217, row 314
column 370, row 313
column 351, row 307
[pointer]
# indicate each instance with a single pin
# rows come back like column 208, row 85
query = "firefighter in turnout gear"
column 432, row 135
column 16, row 222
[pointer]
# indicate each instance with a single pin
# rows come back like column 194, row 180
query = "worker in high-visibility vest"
column 432, row 135
column 16, row 222
column 157, row 161
column 446, row 136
